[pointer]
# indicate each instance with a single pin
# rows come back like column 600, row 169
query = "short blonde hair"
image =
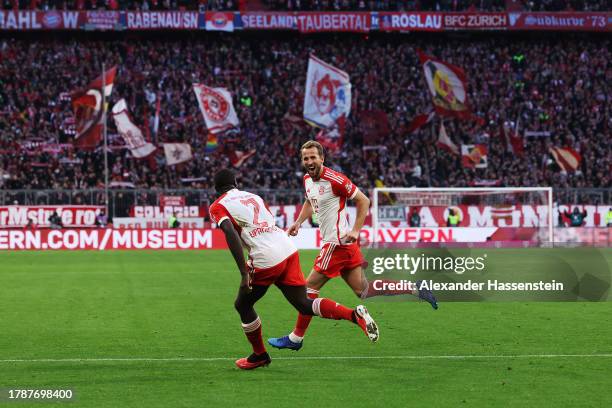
column 313, row 143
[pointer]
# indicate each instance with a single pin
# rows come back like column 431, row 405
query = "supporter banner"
column 410, row 21
column 88, row 107
column 314, row 22
column 560, row 21
column 17, row 216
column 38, row 20
column 219, row 21
column 327, row 97
column 153, row 211
column 106, row 239
column 447, row 85
column 131, row 134
column 475, row 21
column 268, row 21
column 217, row 108
column 101, row 20
column 156, row 223
column 306, row 22
column 171, row 201
column 154, row 20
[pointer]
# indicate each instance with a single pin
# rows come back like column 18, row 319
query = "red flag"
column 512, row 139
column 447, row 86
column 420, row 120
column 238, row 157
column 445, row 142
column 474, row 156
column 89, row 112
column 333, row 137
column 568, row 159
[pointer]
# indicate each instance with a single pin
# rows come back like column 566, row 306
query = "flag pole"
column 104, row 133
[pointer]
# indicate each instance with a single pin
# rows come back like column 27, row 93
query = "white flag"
column 445, row 142
column 216, row 107
column 130, row 133
column 328, row 94
column 177, row 153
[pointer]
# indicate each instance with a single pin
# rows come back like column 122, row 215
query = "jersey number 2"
column 256, row 209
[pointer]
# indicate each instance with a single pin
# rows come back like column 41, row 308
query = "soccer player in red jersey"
column 273, row 259
column 327, row 192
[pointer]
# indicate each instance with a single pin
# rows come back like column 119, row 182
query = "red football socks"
column 304, row 320
column 329, row 309
column 253, row 333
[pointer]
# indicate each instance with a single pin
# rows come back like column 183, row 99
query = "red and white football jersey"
column 267, row 244
column 328, row 196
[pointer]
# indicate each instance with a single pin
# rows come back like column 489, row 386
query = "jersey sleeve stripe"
column 334, row 177
column 223, row 219
column 354, row 193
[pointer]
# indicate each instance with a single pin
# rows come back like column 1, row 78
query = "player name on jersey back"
column 268, row 245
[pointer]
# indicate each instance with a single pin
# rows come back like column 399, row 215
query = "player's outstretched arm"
column 362, row 202
column 305, row 213
column 235, row 247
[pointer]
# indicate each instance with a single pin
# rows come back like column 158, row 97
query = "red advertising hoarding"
column 268, row 21
column 475, row 21
column 107, row 239
column 323, row 22
column 410, row 21
column 167, row 20
column 559, row 21
column 17, row 216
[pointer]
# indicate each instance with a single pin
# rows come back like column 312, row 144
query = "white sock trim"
column 251, row 327
column 316, row 306
column 295, row 338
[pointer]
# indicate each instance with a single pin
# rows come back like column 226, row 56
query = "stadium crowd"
column 312, row 5
column 559, row 89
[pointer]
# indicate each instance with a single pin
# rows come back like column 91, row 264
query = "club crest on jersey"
column 321, row 190
column 215, row 104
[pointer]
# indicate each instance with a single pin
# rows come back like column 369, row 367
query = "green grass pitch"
column 158, row 329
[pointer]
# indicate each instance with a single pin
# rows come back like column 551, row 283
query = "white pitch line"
column 204, row 359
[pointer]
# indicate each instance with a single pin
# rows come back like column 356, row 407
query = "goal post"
column 485, row 213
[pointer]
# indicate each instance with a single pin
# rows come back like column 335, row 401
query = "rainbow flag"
column 211, row 143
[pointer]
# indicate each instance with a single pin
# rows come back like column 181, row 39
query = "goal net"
column 519, row 216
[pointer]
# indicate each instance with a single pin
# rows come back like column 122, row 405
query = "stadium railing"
column 121, row 201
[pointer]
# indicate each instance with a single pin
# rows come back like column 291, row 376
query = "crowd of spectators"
column 312, row 5
column 558, row 87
